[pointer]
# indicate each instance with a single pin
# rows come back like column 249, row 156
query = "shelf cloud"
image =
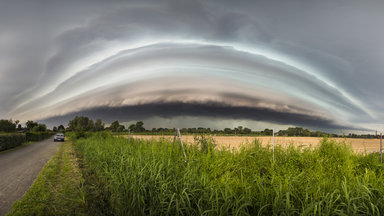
column 316, row 65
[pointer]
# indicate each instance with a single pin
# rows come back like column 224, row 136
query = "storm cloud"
column 210, row 111
column 313, row 64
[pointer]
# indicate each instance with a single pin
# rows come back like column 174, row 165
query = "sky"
column 189, row 63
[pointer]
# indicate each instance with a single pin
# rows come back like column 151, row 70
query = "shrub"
column 37, row 136
column 8, row 141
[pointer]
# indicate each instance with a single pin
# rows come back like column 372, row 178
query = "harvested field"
column 358, row 145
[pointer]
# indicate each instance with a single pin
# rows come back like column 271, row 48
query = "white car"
column 59, row 137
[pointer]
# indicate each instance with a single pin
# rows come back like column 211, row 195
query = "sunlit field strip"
column 357, row 144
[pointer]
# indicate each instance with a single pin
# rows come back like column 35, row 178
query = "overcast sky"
column 317, row 64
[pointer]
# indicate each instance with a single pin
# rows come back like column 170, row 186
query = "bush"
column 37, row 136
column 8, row 141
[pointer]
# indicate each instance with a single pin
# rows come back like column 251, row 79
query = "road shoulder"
column 58, row 189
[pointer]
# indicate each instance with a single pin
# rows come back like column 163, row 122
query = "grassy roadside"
column 58, row 190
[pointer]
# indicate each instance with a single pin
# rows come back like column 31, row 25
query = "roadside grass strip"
column 58, row 189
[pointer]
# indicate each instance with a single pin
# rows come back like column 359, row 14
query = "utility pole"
column 178, row 136
column 273, row 143
column 182, row 145
column 381, row 148
column 129, row 134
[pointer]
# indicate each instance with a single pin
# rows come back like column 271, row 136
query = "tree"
column 247, row 131
column 54, row 129
column 120, row 128
column 114, row 126
column 132, row 128
column 61, row 128
column 99, row 125
column 40, row 128
column 80, row 123
column 31, row 124
column 267, row 132
column 139, row 126
column 227, row 130
column 7, row 126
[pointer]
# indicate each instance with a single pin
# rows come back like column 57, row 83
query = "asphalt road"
column 19, row 168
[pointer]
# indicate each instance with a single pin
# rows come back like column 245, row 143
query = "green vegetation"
column 244, row 131
column 116, row 127
column 35, row 127
column 8, row 125
column 37, row 136
column 57, row 190
column 152, row 178
column 12, row 134
column 11, row 140
column 82, row 124
column 138, row 127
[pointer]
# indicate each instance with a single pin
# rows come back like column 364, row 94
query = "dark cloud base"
column 211, row 110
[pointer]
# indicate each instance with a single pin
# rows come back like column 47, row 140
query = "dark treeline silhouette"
column 240, row 130
column 10, row 126
column 85, row 124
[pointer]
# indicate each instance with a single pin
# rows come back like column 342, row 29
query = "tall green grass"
column 152, row 178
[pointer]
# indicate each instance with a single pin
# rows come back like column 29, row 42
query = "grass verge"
column 58, row 190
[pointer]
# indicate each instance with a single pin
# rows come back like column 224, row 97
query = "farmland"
column 151, row 177
column 358, row 145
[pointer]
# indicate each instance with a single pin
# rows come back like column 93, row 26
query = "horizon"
column 230, row 125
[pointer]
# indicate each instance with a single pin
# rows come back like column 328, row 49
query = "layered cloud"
column 189, row 58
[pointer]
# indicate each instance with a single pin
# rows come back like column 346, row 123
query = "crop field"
column 151, row 177
column 358, row 145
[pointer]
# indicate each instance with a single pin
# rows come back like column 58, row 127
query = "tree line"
column 84, row 124
column 10, row 126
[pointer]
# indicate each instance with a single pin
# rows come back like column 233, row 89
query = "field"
column 151, row 177
column 358, row 145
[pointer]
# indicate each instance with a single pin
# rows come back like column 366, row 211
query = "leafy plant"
column 205, row 142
